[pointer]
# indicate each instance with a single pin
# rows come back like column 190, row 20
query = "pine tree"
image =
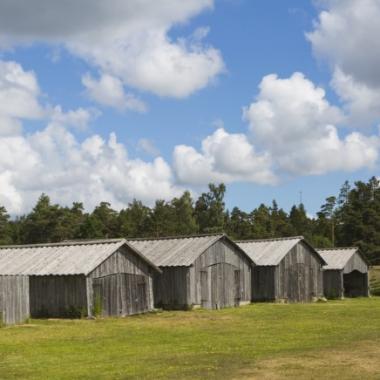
column 184, row 222
column 209, row 209
column 239, row 225
column 5, row 227
column 135, row 221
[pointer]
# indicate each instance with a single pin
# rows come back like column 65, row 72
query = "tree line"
column 350, row 218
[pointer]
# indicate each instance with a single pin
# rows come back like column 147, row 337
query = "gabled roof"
column 270, row 252
column 177, row 251
column 66, row 258
column 337, row 258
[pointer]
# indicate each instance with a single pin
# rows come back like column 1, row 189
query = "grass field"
column 337, row 339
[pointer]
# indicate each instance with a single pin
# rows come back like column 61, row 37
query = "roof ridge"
column 65, row 243
column 270, row 239
column 178, row 237
column 337, row 248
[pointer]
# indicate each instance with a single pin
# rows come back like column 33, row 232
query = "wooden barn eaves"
column 177, row 251
column 337, row 258
column 270, row 252
column 65, row 258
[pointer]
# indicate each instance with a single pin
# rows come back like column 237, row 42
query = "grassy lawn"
column 337, row 339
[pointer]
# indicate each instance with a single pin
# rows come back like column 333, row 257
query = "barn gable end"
column 346, row 273
column 208, row 270
column 287, row 269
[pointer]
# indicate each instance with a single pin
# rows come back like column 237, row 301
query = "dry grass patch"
column 358, row 361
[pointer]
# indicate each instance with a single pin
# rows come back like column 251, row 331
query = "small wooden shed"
column 346, row 273
column 209, row 271
column 69, row 279
column 287, row 269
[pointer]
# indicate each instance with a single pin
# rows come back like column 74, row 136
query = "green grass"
column 196, row 344
column 374, row 276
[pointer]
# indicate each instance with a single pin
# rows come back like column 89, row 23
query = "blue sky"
column 69, row 158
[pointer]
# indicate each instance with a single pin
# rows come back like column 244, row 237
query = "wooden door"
column 223, row 287
column 204, row 289
column 120, row 294
column 237, row 286
column 99, row 304
column 301, row 283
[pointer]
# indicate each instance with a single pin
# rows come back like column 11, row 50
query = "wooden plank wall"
column 123, row 261
column 122, row 294
column 299, row 275
column 14, row 299
column 57, row 296
column 356, row 263
column 263, row 283
column 218, row 269
column 171, row 288
column 333, row 284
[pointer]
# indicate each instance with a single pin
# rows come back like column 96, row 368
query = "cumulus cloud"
column 223, row 157
column 78, row 118
column 109, row 91
column 54, row 161
column 292, row 119
column 128, row 40
column 346, row 35
column 19, row 92
column 68, row 170
column 360, row 102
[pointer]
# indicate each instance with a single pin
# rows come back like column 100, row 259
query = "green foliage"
column 351, row 218
column 375, row 281
column 5, row 228
column 134, row 221
column 210, row 209
column 97, row 307
column 184, row 215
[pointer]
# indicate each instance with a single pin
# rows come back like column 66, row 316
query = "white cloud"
column 346, row 35
column 54, row 161
column 147, row 146
column 79, row 118
column 128, row 40
column 224, row 157
column 361, row 102
column 109, row 91
column 292, row 119
column 68, row 171
column 19, row 94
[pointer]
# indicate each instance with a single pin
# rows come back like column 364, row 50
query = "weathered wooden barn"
column 208, row 271
column 108, row 277
column 287, row 269
column 346, row 273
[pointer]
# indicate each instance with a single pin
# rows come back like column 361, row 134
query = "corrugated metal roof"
column 268, row 251
column 337, row 258
column 175, row 251
column 67, row 258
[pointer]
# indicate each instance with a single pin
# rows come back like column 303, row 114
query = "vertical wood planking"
column 14, row 299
